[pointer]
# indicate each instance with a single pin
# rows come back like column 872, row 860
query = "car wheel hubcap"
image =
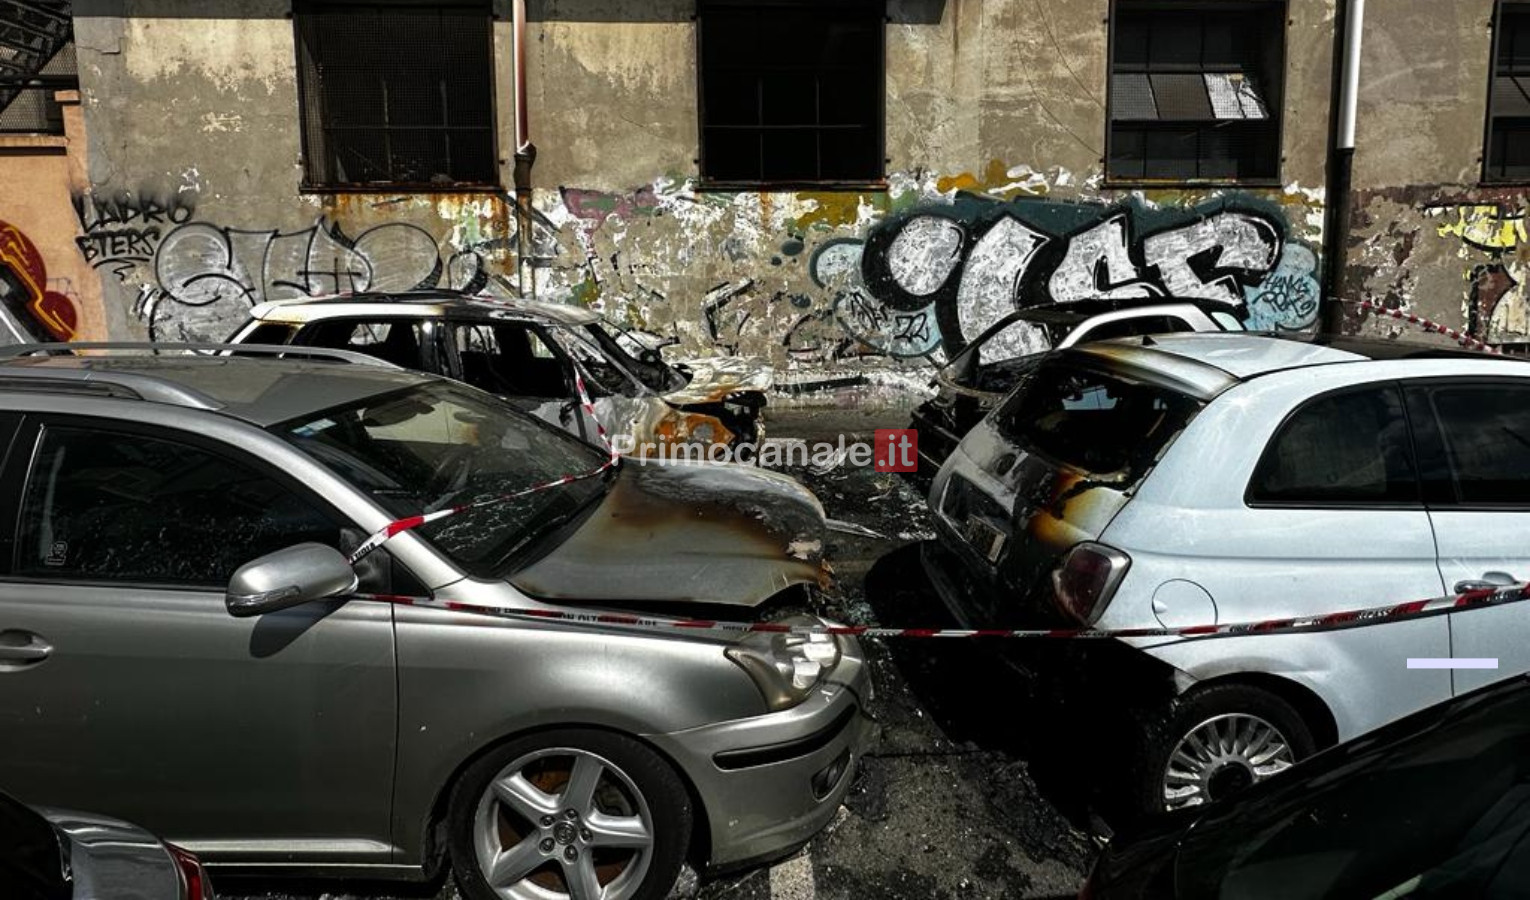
column 563, row 823
column 1221, row 756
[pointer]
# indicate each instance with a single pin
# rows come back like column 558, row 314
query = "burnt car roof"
column 425, row 304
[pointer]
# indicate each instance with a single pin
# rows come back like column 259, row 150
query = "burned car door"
column 126, row 686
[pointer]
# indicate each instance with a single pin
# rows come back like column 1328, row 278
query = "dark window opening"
column 510, row 360
column 407, row 344
column 1350, row 448
column 1195, row 91
column 1508, row 144
column 1094, row 422
column 397, row 94
column 792, row 92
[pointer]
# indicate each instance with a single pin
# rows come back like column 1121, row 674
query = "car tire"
column 510, row 833
column 1213, row 742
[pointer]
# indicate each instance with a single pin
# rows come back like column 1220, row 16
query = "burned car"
column 181, row 542
column 530, row 353
column 973, row 382
column 1190, row 480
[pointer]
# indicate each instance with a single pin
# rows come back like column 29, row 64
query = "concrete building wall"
column 995, row 192
column 1429, row 236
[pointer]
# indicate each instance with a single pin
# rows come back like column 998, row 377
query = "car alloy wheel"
column 1223, row 755
column 563, row 822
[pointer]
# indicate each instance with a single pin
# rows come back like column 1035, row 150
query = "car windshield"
column 1096, row 422
column 1444, row 813
column 442, row 445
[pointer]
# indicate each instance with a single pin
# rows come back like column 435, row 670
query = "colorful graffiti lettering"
column 30, row 310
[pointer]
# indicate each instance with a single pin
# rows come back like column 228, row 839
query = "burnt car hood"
column 680, row 532
column 714, row 380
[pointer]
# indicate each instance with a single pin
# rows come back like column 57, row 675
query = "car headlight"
column 786, row 667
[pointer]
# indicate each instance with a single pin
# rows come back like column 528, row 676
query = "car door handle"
column 22, row 648
column 1488, row 582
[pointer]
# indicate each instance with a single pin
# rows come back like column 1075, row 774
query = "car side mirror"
column 288, row 578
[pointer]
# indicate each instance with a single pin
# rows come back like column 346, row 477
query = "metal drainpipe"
column 525, row 156
column 1348, row 27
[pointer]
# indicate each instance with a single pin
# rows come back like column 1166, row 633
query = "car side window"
column 1486, row 430
column 512, row 360
column 119, row 506
column 399, row 342
column 1346, row 448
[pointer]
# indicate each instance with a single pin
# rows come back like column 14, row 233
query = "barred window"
column 1508, row 143
column 36, row 62
column 792, row 91
column 1195, row 91
column 397, row 94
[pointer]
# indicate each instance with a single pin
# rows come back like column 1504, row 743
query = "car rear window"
column 1095, row 421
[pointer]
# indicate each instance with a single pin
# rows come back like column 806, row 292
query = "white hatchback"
column 1197, row 479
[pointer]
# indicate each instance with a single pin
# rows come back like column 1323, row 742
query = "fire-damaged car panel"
column 1046, row 471
column 742, row 534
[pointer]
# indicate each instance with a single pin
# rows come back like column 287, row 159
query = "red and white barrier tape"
column 1464, row 340
column 1332, row 621
column 409, row 523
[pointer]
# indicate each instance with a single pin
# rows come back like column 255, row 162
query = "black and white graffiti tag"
column 940, row 275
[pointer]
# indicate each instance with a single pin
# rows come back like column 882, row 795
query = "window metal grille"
column 36, row 61
column 792, row 92
column 397, row 95
column 1195, row 91
column 1508, row 142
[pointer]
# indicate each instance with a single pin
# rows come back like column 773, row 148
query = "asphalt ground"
column 968, row 790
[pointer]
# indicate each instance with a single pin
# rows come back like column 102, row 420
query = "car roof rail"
column 204, row 349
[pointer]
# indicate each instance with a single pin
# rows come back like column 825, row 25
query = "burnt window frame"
column 313, row 156
column 1274, row 98
column 877, row 180
column 1489, row 133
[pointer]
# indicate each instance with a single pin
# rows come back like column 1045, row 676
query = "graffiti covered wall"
column 995, row 196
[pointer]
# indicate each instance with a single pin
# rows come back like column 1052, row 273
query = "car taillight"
column 194, row 880
column 1087, row 579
